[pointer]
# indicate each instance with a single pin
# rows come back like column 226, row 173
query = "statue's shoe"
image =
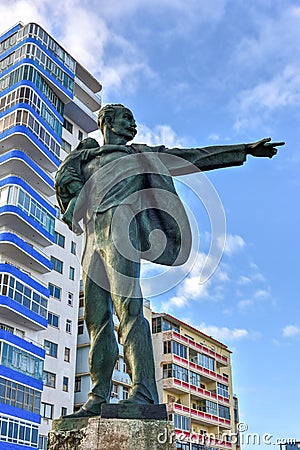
column 80, row 413
column 137, row 399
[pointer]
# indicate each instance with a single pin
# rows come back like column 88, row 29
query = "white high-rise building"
column 47, row 105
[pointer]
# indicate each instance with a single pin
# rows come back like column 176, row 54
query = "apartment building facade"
column 193, row 373
column 47, row 105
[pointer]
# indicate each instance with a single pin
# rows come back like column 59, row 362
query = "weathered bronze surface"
column 123, row 193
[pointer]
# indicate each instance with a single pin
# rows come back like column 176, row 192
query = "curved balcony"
column 25, row 211
column 18, row 163
column 23, row 300
column 19, row 250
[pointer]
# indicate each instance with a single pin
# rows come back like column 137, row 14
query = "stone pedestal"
column 98, row 433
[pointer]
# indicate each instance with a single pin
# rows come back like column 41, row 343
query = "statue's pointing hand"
column 263, row 148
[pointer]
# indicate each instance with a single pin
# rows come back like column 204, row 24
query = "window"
column 224, row 412
column 80, row 326
column 55, row 291
column 17, row 431
column 77, row 384
column 51, row 348
column 211, row 407
column 73, row 247
column 125, row 393
column 67, row 354
column 114, row 391
column 57, row 264
column 68, row 126
column 70, row 298
column 53, row 320
column 47, row 410
column 80, row 135
column 176, row 348
column 223, row 390
column 195, row 379
column 5, row 327
column 59, row 239
column 42, row 442
column 19, row 396
column 65, row 384
column 49, row 379
column 72, row 273
column 159, row 324
column 206, row 361
column 66, row 146
column 175, row 371
column 64, row 411
column 81, row 300
column 181, row 422
column 69, row 326
column 185, row 446
column 124, row 366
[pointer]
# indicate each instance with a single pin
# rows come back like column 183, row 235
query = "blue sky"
column 199, row 73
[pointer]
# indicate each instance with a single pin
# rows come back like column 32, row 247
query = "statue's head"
column 116, row 119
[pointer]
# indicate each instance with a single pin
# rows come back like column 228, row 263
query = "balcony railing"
column 200, row 347
column 209, row 373
column 200, row 415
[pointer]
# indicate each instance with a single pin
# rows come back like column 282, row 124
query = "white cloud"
column 214, row 137
column 227, row 334
column 280, row 91
column 261, row 294
column 234, row 243
column 160, row 134
column 271, row 54
column 244, row 305
column 243, row 280
column 84, row 32
column 291, row 331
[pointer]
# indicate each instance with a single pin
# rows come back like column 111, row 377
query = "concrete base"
column 97, row 433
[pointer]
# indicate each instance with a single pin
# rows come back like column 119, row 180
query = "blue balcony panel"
column 64, row 94
column 21, row 137
column 40, row 288
column 20, row 315
column 32, row 85
column 10, row 446
column 16, row 162
column 22, row 343
column 10, row 32
column 20, row 377
column 19, row 413
column 15, row 219
column 21, row 251
column 28, row 188
column 39, row 118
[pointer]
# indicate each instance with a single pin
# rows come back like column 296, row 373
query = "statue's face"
column 124, row 124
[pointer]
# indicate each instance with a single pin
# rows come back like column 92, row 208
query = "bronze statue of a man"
column 125, row 196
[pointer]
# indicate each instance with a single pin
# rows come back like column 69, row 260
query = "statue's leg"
column 104, row 349
column 134, row 330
